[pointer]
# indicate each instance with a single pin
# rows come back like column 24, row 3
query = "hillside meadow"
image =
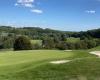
column 35, row 65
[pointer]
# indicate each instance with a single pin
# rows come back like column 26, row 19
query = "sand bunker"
column 59, row 61
column 67, row 50
column 96, row 53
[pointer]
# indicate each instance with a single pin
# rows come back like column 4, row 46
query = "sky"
column 66, row 15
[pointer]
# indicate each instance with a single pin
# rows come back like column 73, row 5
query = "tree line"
column 51, row 39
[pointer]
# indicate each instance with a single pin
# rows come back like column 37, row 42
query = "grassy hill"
column 82, row 69
column 35, row 65
column 95, row 49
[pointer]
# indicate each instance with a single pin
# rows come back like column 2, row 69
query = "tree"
column 97, row 42
column 48, row 43
column 63, row 37
column 81, row 45
column 61, row 45
column 90, row 43
column 7, row 44
column 22, row 43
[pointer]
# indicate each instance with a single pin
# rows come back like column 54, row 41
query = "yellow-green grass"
column 73, row 40
column 34, row 64
column 36, row 41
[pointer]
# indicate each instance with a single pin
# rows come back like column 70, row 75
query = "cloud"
column 30, row 4
column 38, row 11
column 90, row 11
column 25, row 3
column 16, row 4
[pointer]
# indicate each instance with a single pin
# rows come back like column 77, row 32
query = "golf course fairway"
column 35, row 65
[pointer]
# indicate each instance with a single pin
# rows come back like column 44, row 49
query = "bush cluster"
column 62, row 45
column 22, row 43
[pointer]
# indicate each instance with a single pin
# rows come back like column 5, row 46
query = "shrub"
column 36, row 46
column 22, row 43
column 61, row 45
column 48, row 43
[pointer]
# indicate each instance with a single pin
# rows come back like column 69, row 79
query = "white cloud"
column 90, row 11
column 25, row 3
column 28, row 4
column 38, row 11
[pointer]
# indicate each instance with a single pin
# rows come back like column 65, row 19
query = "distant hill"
column 37, row 32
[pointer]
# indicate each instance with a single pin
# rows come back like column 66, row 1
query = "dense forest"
column 51, row 39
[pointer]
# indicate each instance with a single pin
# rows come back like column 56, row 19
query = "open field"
column 73, row 40
column 36, row 42
column 35, row 65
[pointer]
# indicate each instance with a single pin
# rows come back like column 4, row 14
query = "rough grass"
column 34, row 65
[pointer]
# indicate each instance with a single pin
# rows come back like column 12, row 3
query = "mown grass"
column 83, row 69
column 34, row 65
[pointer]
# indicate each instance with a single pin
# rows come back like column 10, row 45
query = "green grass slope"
column 95, row 49
column 83, row 69
column 34, row 65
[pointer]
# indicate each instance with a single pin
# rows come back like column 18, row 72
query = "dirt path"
column 95, row 53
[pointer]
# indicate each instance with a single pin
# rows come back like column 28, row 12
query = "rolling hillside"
column 35, row 65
